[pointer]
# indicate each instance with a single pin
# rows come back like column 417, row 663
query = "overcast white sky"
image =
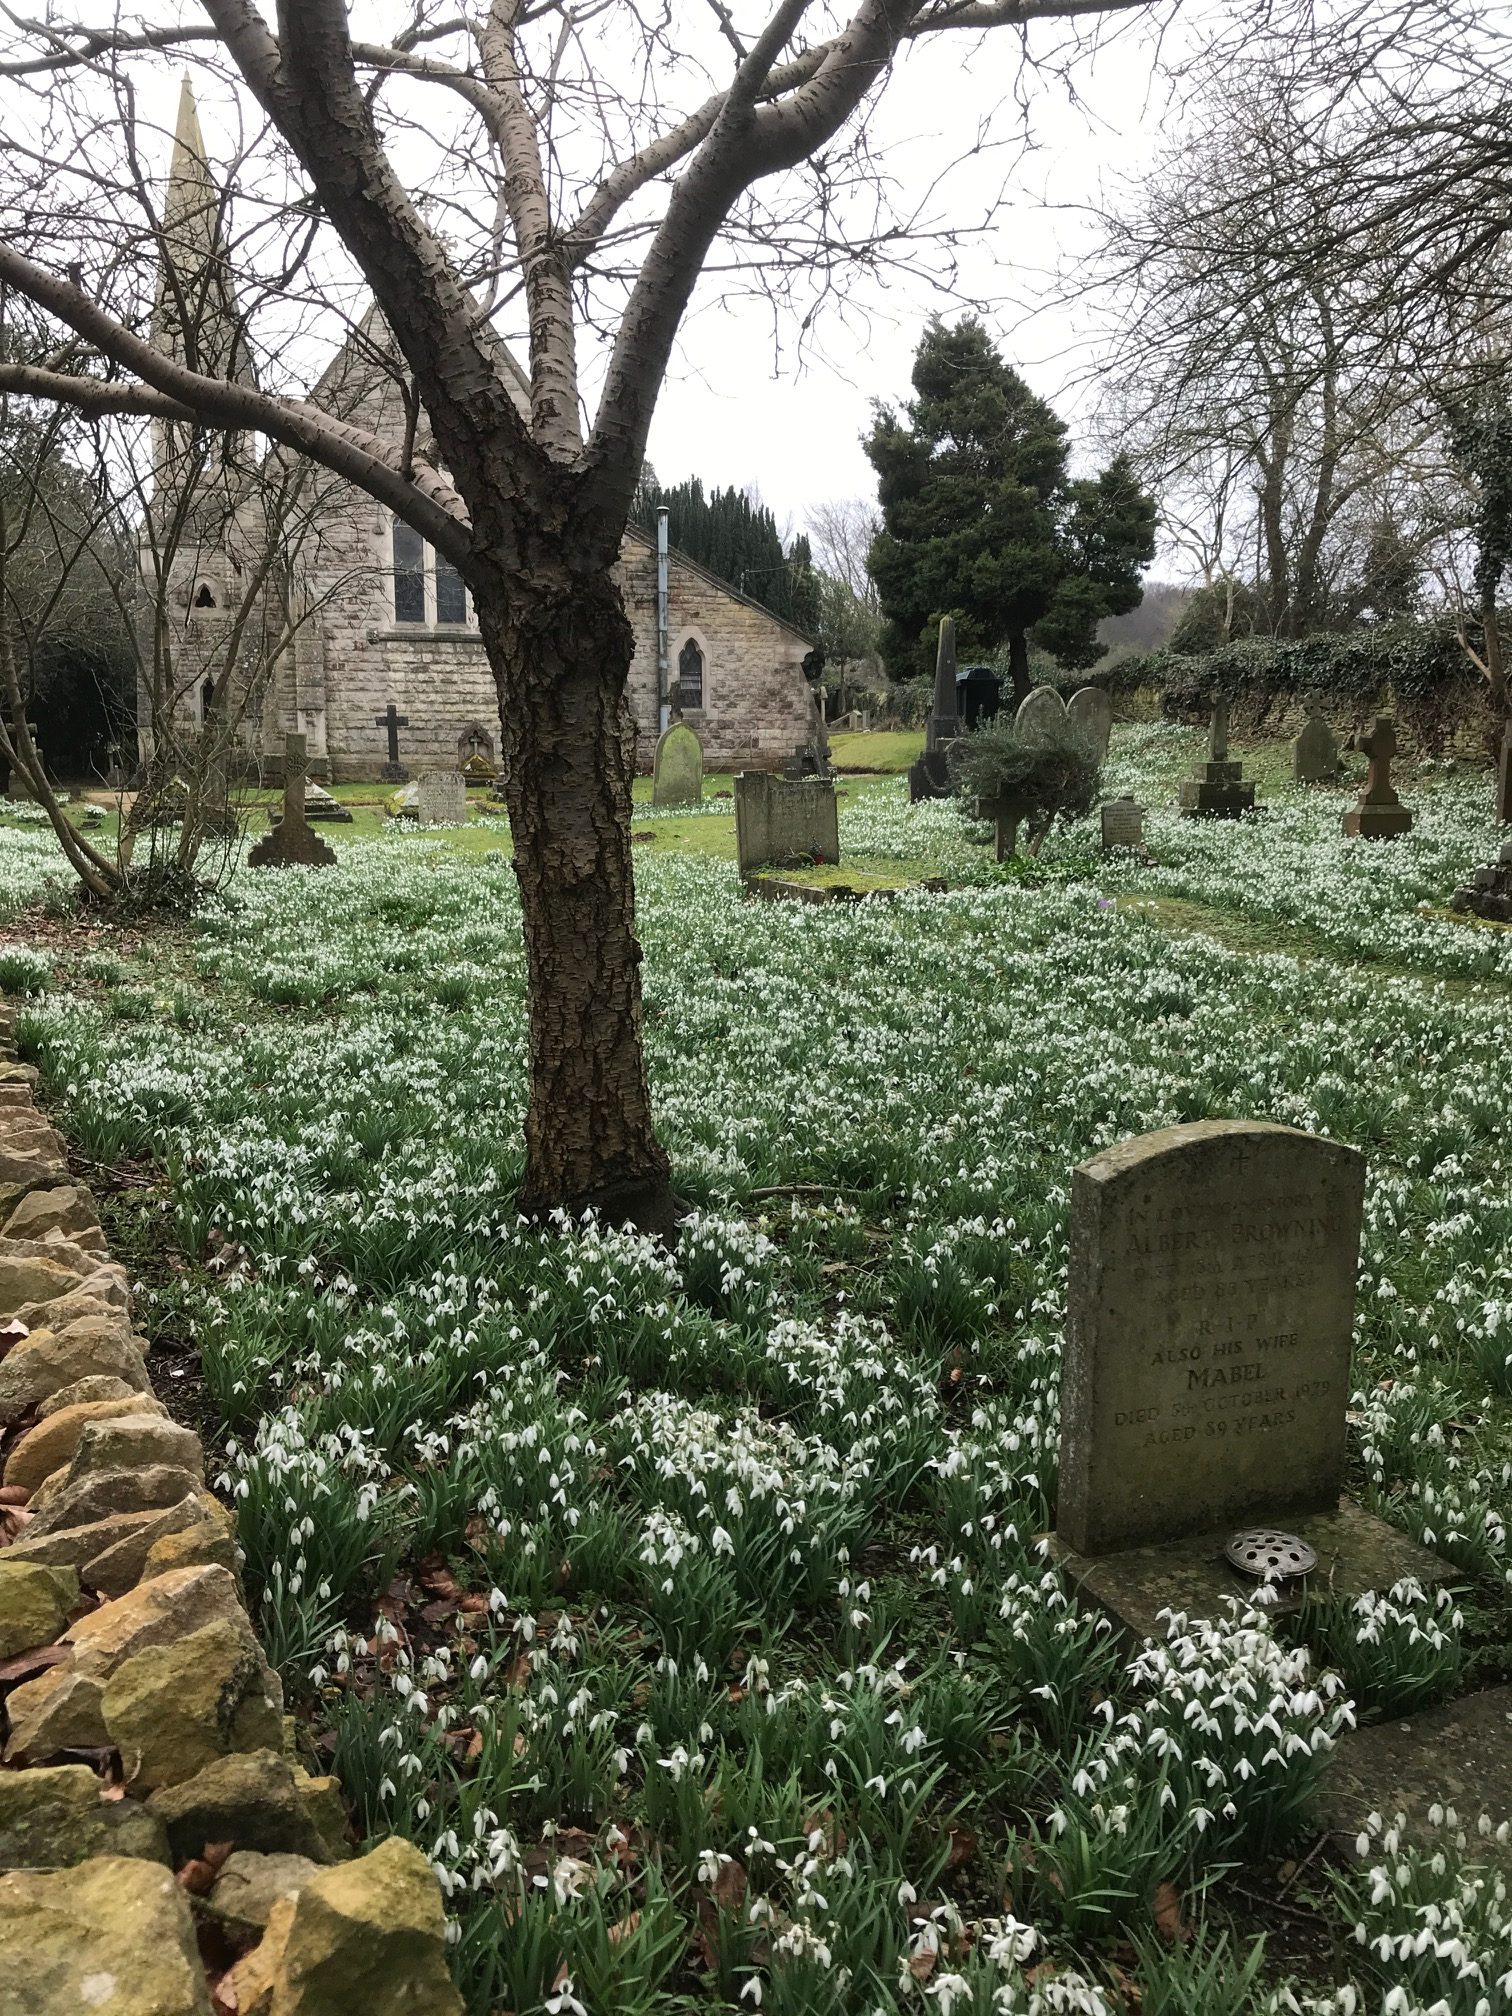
column 740, row 405
column 745, row 401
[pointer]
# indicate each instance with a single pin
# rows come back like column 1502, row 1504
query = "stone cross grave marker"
column 1380, row 814
column 780, row 824
column 1122, row 824
column 394, row 771
column 441, row 799
column 291, row 843
column 677, row 774
column 1041, row 709
column 1315, row 752
column 1092, row 711
column 1220, row 789
column 1208, row 1324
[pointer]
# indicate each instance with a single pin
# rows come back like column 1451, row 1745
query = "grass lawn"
column 689, row 1610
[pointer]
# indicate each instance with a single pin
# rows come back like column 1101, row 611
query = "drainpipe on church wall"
column 663, row 696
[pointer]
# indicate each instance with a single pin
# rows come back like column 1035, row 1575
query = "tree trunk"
column 560, row 647
column 1018, row 667
column 1500, row 721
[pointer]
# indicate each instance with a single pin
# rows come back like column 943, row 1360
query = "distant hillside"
column 1149, row 626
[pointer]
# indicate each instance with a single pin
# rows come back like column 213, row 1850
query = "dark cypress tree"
column 737, row 540
column 981, row 522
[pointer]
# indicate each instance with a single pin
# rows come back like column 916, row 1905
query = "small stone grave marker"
column 441, row 799
column 1315, row 752
column 1122, row 824
column 779, row 824
column 677, row 774
column 1092, row 712
column 1504, row 780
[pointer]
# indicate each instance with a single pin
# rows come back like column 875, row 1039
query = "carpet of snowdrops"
column 690, row 1610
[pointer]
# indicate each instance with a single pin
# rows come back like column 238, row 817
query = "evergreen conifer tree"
column 981, row 522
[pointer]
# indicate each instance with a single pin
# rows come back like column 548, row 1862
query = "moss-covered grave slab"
column 1458, row 1756
column 1356, row 1552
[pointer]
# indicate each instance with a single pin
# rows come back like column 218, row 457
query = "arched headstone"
column 677, row 778
column 1315, row 753
column 1092, row 711
column 1042, row 709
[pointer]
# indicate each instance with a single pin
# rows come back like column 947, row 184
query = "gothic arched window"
column 205, row 599
column 451, row 595
column 690, row 676
column 409, row 574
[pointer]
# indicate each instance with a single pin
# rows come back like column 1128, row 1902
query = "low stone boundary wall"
column 161, row 1849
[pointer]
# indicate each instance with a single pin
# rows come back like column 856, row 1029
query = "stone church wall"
column 757, row 707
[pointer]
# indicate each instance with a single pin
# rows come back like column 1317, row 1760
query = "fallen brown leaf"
column 622, row 1928
column 1166, row 1907
column 13, row 1494
column 197, row 1876
column 27, row 1665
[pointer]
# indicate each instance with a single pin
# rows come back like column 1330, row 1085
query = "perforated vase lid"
column 1270, row 1555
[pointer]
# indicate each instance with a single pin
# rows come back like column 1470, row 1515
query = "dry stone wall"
column 161, row 1848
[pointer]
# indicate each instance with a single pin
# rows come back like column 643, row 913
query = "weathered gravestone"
column 1504, row 780
column 1315, row 752
column 1092, row 711
column 1122, row 824
column 1041, row 711
column 1206, row 1375
column 782, row 824
column 1219, row 790
column 1380, row 814
column 291, row 844
column 677, row 773
column 441, row 799
column 1488, row 893
column 930, row 776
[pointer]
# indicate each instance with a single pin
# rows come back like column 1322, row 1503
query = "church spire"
column 196, row 319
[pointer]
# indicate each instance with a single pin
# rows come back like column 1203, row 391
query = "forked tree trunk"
column 560, row 646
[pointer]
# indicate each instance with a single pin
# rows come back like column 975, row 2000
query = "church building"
column 378, row 651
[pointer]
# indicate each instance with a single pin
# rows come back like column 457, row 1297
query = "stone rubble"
column 141, row 1726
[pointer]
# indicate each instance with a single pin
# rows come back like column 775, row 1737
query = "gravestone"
column 677, row 774
column 1504, row 780
column 1092, row 711
column 18, row 790
column 930, row 776
column 1488, row 893
column 1219, row 790
column 393, row 772
column 1208, row 1324
column 781, row 824
column 291, row 844
column 320, row 804
column 475, row 756
column 1380, row 814
column 1122, row 824
column 1315, row 752
column 441, row 799
column 1040, row 710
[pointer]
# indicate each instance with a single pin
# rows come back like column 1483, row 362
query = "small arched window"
column 690, row 676
column 205, row 599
